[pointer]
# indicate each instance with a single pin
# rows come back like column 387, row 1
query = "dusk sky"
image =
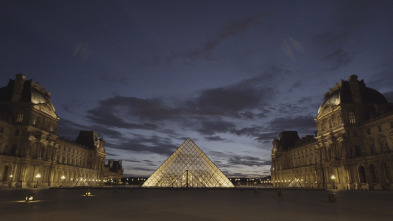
column 228, row 74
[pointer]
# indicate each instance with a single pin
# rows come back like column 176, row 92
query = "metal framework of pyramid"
column 187, row 167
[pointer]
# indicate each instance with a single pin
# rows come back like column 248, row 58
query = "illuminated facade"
column 188, row 166
column 353, row 147
column 31, row 153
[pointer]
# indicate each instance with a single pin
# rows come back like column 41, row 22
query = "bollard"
column 279, row 193
column 255, row 191
column 332, row 197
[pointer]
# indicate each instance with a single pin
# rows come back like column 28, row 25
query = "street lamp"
column 62, row 180
column 333, row 178
column 37, row 176
column 10, row 184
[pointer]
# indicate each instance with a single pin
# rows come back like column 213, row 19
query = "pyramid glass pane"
column 188, row 166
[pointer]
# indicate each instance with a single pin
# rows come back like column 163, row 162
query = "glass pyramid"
column 188, row 166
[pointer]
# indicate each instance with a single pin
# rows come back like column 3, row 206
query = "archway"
column 5, row 173
column 385, row 172
column 362, row 175
column 373, row 173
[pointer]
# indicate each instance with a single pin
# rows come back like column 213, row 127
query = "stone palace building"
column 32, row 154
column 353, row 147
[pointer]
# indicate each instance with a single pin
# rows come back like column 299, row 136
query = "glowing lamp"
column 30, row 197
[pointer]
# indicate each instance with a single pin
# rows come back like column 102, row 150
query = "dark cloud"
column 230, row 30
column 118, row 111
column 113, row 155
column 245, row 95
column 203, row 113
column 215, row 126
column 305, row 100
column 349, row 18
column 337, row 58
column 267, row 137
column 144, row 144
column 249, row 131
column 214, row 138
column 228, row 99
column 69, row 129
column 295, row 86
column 247, row 161
column 305, row 123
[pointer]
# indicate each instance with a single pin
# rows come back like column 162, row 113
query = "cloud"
column 295, row 86
column 228, row 99
column 118, row 112
column 69, row 129
column 249, row 131
column 146, row 144
column 230, row 30
column 214, row 138
column 305, row 100
column 248, row 161
column 210, row 127
column 337, row 58
column 305, row 123
column 291, row 47
column 245, row 95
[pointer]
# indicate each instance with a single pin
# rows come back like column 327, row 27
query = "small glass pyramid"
column 188, row 166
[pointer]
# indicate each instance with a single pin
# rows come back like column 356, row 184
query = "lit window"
column 19, row 118
column 352, row 118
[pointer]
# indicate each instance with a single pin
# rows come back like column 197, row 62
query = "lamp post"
column 37, row 176
column 62, row 180
column 333, row 178
column 10, row 184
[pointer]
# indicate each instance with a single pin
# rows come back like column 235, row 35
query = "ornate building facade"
column 32, row 154
column 352, row 149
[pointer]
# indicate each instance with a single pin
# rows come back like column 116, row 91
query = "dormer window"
column 352, row 118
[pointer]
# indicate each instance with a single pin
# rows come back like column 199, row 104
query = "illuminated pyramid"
column 188, row 166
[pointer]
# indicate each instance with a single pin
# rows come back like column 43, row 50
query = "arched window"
column 385, row 171
column 373, row 173
column 362, row 175
column 5, row 173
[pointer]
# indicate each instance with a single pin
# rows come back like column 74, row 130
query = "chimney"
column 18, row 87
column 355, row 90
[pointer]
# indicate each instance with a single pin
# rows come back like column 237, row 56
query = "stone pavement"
column 196, row 204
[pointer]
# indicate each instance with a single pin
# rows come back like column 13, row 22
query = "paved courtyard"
column 207, row 204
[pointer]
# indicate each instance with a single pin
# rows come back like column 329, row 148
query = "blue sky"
column 228, row 74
